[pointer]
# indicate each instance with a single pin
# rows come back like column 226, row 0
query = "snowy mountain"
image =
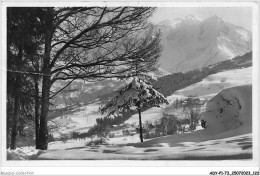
column 190, row 43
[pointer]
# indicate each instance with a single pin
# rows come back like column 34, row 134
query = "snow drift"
column 228, row 114
column 23, row 153
column 230, row 109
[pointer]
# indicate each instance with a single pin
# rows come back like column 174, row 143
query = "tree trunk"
column 46, row 86
column 140, row 123
column 43, row 130
column 16, row 112
column 16, row 101
column 191, row 121
column 37, row 106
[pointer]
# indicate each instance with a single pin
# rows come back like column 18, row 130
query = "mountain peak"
column 174, row 21
column 214, row 18
column 191, row 17
column 190, row 44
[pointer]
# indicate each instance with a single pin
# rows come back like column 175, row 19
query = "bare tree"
column 190, row 109
column 86, row 43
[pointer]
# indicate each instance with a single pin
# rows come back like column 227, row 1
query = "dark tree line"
column 168, row 84
column 109, row 121
column 23, row 46
column 47, row 45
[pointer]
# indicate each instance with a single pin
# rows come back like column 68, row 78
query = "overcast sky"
column 241, row 16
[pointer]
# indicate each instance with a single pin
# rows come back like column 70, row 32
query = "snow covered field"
column 228, row 135
column 238, row 147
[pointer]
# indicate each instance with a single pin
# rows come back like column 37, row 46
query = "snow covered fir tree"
column 128, row 83
column 136, row 94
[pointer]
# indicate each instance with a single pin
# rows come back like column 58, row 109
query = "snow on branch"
column 135, row 94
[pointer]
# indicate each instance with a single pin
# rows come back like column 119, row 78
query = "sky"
column 241, row 16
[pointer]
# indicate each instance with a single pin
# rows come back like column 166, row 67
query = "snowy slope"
column 228, row 114
column 227, row 136
column 79, row 121
column 206, row 89
column 190, row 43
column 85, row 117
column 237, row 147
column 213, row 84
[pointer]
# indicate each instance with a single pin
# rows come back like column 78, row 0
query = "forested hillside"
column 168, row 84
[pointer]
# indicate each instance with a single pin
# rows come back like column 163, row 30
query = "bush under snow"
column 23, row 153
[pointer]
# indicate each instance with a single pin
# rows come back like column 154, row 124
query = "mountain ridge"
column 190, row 43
